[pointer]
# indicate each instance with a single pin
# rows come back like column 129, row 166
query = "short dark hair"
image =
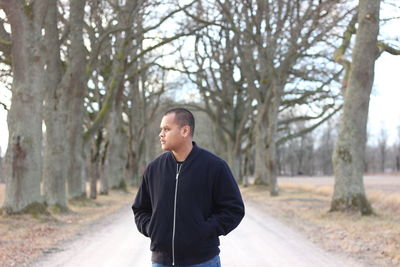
column 183, row 117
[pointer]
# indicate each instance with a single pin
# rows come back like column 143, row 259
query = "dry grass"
column 383, row 201
column 25, row 237
column 373, row 240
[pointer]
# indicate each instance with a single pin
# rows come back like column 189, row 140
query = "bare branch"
column 310, row 128
column 383, row 47
column 4, row 106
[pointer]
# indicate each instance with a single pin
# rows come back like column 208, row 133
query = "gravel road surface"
column 260, row 240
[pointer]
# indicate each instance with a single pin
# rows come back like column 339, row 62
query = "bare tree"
column 216, row 73
column 274, row 62
column 23, row 158
column 348, row 156
column 120, row 74
column 117, row 154
column 144, row 95
column 277, row 41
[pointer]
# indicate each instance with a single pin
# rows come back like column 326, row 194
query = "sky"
column 384, row 109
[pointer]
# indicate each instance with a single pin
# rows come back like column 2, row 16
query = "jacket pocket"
column 160, row 234
column 150, row 226
column 194, row 232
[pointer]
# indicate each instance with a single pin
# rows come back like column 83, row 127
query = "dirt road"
column 260, row 240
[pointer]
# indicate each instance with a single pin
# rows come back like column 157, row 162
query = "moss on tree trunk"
column 352, row 203
column 34, row 209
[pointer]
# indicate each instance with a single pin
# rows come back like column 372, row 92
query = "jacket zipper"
column 178, row 170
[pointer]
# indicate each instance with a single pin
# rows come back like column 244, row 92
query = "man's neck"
column 181, row 155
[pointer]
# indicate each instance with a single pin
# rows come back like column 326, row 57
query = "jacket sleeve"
column 142, row 208
column 228, row 203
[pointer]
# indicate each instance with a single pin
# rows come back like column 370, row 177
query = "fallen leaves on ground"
column 25, row 237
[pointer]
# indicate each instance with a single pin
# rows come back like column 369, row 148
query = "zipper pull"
column 178, row 170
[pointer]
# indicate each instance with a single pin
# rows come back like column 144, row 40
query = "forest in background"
column 309, row 155
column 267, row 81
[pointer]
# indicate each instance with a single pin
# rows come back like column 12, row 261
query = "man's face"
column 171, row 134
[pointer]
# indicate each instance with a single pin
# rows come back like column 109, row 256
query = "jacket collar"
column 192, row 155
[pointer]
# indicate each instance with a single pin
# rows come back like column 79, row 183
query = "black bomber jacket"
column 184, row 210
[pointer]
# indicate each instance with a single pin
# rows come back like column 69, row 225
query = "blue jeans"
column 214, row 262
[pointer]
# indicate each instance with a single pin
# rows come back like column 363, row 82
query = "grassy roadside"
column 372, row 240
column 25, row 237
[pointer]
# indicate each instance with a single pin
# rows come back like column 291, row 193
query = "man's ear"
column 186, row 130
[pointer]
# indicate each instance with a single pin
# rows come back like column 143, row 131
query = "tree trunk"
column 104, row 188
column 117, row 153
column 24, row 153
column 348, row 156
column 94, row 176
column 137, row 124
column 55, row 169
column 260, row 169
column 270, row 146
column 75, row 81
column 235, row 161
column 132, row 168
column 94, row 164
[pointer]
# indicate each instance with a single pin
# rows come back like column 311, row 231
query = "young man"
column 187, row 198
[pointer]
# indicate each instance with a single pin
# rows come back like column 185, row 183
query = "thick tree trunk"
column 138, row 154
column 235, row 161
column 271, row 161
column 23, row 158
column 75, row 179
column 75, row 81
column 348, row 157
column 55, row 169
column 94, row 164
column 266, row 131
column 94, row 175
column 117, row 152
column 24, row 153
